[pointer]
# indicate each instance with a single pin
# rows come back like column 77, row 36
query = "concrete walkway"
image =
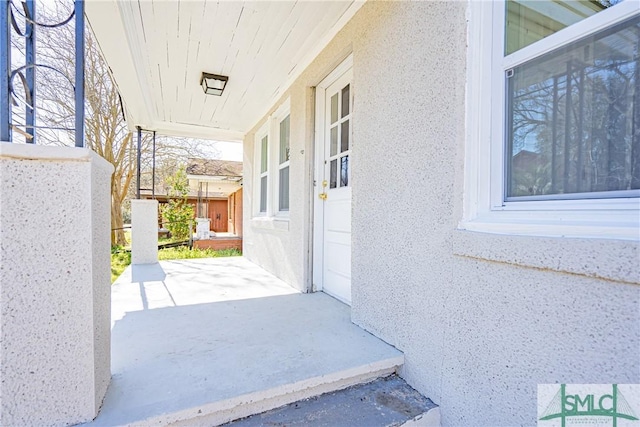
column 202, row 342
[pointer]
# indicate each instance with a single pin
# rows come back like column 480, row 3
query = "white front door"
column 332, row 248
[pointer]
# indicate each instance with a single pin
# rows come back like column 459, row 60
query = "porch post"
column 30, row 59
column 144, row 231
column 79, row 83
column 138, row 162
column 55, row 291
column 153, row 168
column 5, row 71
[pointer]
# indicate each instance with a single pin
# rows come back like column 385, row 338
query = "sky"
column 228, row 150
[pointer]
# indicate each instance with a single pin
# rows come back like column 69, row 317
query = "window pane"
column 285, row 131
column 344, row 171
column 263, row 194
column 334, row 108
column 333, row 179
column 344, row 138
column 574, row 116
column 334, row 140
column 345, row 101
column 531, row 20
column 263, row 155
column 284, row 189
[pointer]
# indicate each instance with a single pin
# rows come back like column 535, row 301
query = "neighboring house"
column 215, row 191
column 377, row 145
column 212, row 180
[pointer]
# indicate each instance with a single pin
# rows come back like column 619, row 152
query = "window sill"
column 271, row 223
column 598, row 219
column 281, row 216
column 551, row 230
column 614, row 260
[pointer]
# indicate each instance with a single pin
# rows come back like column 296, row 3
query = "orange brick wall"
column 218, row 244
column 238, row 212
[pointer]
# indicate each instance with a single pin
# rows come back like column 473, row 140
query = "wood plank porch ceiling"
column 261, row 45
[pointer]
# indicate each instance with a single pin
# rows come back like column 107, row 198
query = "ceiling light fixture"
column 213, row 84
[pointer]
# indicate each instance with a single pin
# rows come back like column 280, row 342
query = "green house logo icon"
column 584, row 404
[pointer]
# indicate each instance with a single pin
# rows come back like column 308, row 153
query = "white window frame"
column 278, row 116
column 484, row 208
column 271, row 129
column 262, row 132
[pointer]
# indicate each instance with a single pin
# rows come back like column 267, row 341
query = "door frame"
column 318, row 168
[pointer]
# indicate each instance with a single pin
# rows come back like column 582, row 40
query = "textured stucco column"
column 54, row 284
column 144, row 231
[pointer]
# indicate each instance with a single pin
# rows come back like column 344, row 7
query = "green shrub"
column 178, row 217
column 177, row 213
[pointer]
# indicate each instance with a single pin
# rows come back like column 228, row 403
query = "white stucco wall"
column 481, row 318
column 55, row 289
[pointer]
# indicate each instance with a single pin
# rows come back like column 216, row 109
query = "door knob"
column 323, row 196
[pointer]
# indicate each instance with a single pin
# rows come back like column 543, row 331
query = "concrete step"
column 217, row 413
column 384, row 402
column 218, row 408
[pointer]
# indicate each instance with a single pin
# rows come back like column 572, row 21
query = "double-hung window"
column 264, row 173
column 283, row 164
column 554, row 141
column 272, row 157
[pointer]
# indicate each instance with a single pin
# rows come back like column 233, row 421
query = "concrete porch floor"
column 203, row 342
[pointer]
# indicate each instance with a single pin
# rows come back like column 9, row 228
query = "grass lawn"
column 120, row 259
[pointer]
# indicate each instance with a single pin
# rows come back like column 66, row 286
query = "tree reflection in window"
column 574, row 117
column 344, row 171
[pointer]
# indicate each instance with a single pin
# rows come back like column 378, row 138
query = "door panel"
column 336, row 217
column 335, row 191
column 219, row 216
